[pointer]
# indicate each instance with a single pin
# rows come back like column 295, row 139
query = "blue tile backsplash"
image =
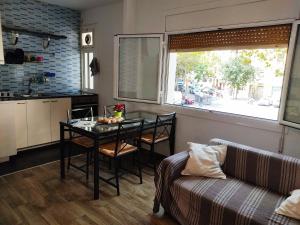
column 43, row 17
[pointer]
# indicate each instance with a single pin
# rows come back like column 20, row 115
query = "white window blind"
column 138, row 67
column 290, row 110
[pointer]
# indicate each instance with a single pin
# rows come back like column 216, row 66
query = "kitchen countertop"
column 47, row 95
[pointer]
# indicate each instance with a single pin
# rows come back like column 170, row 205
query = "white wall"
column 159, row 16
column 176, row 15
column 129, row 15
column 107, row 21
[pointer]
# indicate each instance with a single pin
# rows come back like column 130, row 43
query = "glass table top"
column 91, row 125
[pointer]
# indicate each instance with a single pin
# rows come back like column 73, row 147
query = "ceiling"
column 79, row 4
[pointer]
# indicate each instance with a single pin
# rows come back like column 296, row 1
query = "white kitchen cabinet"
column 29, row 123
column 21, row 124
column 7, row 130
column 43, row 117
column 39, row 121
column 59, row 108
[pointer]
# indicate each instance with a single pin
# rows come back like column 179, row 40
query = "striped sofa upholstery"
column 258, row 181
column 278, row 173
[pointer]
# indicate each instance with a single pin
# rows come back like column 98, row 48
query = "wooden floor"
column 38, row 196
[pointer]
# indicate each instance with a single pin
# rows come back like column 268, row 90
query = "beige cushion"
column 195, row 146
column 205, row 161
column 291, row 206
column 220, row 150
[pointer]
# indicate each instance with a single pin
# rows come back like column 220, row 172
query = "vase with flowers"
column 118, row 110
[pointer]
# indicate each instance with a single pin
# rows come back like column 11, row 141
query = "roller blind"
column 232, row 38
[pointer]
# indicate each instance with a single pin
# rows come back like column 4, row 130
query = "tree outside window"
column 243, row 81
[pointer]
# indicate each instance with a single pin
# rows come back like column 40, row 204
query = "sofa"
column 257, row 183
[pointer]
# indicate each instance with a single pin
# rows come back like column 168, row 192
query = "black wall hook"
column 46, row 43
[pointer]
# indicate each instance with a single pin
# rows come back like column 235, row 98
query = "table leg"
column 62, row 151
column 172, row 139
column 96, row 170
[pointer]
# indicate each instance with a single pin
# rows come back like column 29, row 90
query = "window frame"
column 166, row 69
column 116, row 67
column 287, row 76
column 83, row 50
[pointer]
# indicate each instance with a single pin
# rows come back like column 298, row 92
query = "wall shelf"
column 32, row 52
column 33, row 62
column 40, row 52
column 34, row 33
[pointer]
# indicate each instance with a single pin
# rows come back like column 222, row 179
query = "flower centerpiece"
column 118, row 109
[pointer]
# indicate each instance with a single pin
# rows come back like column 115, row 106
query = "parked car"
column 264, row 102
column 205, row 95
column 211, row 91
column 276, row 99
column 189, row 101
column 176, row 98
column 276, row 103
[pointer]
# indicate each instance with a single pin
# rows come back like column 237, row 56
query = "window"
column 88, row 79
column 138, row 67
column 290, row 112
column 238, row 71
column 87, row 55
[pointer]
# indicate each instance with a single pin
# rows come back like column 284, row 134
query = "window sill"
column 240, row 120
column 88, row 90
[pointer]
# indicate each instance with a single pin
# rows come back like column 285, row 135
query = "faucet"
column 29, row 90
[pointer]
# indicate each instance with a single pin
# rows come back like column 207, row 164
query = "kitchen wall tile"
column 43, row 17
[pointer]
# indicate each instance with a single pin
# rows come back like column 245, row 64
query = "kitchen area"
column 40, row 75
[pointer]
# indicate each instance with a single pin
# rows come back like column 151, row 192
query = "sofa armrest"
column 168, row 170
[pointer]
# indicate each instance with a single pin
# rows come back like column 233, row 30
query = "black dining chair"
column 81, row 142
column 163, row 130
column 109, row 110
column 124, row 144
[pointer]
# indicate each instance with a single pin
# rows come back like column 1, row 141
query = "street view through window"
column 246, row 81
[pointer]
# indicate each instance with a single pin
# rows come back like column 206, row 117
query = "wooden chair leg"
column 87, row 165
column 117, row 175
column 69, row 156
column 150, row 159
column 139, row 165
column 153, row 158
column 134, row 158
column 109, row 163
column 170, row 145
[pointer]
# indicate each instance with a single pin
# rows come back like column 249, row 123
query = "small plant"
column 119, row 107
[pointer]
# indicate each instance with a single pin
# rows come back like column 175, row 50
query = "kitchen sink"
column 35, row 95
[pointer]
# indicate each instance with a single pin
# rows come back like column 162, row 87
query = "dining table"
column 102, row 133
